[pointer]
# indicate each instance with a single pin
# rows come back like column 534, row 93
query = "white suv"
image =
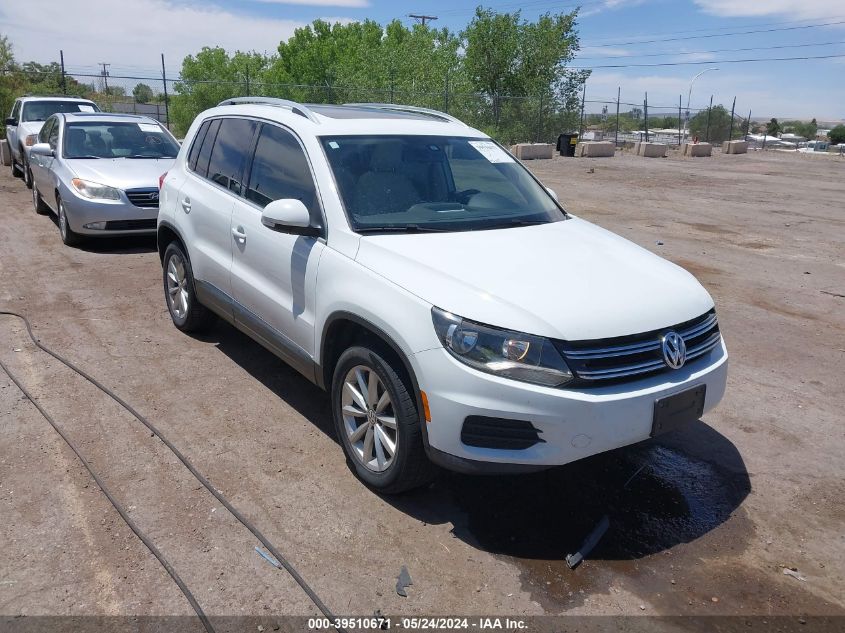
column 413, row 268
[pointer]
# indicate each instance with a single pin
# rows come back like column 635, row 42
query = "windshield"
column 118, row 140
column 40, row 110
column 434, row 183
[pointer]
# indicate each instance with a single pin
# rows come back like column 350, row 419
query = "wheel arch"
column 166, row 234
column 344, row 329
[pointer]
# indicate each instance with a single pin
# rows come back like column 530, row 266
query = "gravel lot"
column 706, row 528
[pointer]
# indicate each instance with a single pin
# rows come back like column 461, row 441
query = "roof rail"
column 293, row 106
column 406, row 108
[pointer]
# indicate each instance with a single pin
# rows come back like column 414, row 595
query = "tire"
column 27, row 175
column 69, row 238
column 361, row 430
column 38, row 203
column 16, row 172
column 187, row 313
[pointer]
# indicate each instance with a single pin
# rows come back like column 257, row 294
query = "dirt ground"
column 706, row 528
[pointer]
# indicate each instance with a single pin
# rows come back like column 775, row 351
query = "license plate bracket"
column 678, row 410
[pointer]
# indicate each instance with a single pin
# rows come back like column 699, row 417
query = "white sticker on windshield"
column 85, row 108
column 149, row 127
column 491, row 151
column 333, row 145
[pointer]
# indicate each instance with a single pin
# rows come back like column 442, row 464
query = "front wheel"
column 38, row 202
column 377, row 422
column 27, row 175
column 16, row 171
column 69, row 238
column 187, row 314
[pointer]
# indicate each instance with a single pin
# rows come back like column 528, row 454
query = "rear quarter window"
column 228, row 158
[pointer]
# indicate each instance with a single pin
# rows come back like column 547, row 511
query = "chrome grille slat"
column 642, row 355
column 636, row 348
column 141, row 198
column 642, row 368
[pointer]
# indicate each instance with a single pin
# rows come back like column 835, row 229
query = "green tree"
column 720, row 125
column 211, row 76
column 506, row 55
column 142, row 93
column 837, row 135
column 773, row 127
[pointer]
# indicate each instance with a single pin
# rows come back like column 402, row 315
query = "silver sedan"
column 99, row 173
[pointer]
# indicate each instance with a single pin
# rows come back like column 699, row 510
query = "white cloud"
column 350, row 4
column 798, row 9
column 133, row 33
column 608, row 5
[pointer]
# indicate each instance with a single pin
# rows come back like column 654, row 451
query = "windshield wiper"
column 85, row 156
column 147, row 156
column 510, row 223
column 405, row 228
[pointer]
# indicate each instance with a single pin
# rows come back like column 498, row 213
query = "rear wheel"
column 69, row 238
column 38, row 203
column 377, row 422
column 187, row 313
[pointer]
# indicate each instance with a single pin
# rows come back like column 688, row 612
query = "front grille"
column 626, row 357
column 130, row 225
column 501, row 433
column 144, row 198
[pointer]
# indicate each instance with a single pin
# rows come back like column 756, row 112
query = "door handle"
column 186, row 205
column 239, row 234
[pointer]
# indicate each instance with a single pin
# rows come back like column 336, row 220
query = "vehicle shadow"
column 657, row 494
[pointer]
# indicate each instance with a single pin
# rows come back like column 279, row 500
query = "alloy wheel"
column 369, row 418
column 177, row 286
column 62, row 221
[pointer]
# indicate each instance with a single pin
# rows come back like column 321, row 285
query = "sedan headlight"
column 501, row 352
column 94, row 190
column 30, row 140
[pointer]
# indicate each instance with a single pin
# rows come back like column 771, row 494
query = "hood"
column 123, row 173
column 25, row 128
column 568, row 280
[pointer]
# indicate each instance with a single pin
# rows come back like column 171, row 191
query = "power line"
column 698, row 37
column 719, row 50
column 709, row 61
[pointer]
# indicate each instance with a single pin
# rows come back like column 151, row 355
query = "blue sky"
column 612, row 33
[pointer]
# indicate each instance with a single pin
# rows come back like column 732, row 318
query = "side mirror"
column 11, row 121
column 552, row 192
column 42, row 149
column 288, row 215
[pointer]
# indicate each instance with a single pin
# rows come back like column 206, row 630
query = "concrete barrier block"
column 735, row 147
column 5, row 153
column 595, row 149
column 695, row 150
column 531, row 151
column 652, row 150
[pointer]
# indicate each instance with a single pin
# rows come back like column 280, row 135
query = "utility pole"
column 645, row 107
column 62, row 62
column 105, row 75
column 166, row 105
column 423, row 19
column 680, row 97
column 583, row 102
column 731, row 134
column 709, row 111
column 618, row 98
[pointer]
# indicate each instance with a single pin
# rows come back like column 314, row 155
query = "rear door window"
column 231, row 147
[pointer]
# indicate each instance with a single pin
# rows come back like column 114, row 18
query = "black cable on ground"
column 185, row 461
column 120, row 509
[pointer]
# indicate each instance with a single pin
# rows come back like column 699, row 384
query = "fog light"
column 98, row 226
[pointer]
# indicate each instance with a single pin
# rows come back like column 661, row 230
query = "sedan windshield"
column 434, row 183
column 99, row 139
column 40, row 110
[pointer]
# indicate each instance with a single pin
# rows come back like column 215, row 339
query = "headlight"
column 95, row 191
column 501, row 352
column 30, row 140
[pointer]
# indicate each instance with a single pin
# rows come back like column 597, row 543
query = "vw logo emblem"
column 674, row 350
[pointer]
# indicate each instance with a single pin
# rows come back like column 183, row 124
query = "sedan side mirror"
column 42, row 149
column 289, row 215
column 11, row 121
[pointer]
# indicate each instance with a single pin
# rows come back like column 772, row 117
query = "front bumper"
column 123, row 216
column 573, row 423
